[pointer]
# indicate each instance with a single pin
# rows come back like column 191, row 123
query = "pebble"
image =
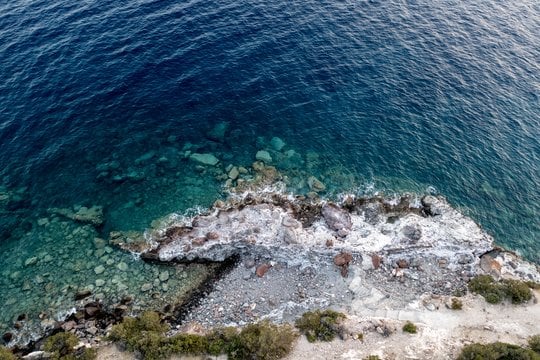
column 146, row 287
column 99, row 269
column 164, row 275
column 100, row 282
column 122, row 266
column 31, row 261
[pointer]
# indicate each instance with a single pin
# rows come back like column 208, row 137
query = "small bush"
column 495, row 291
column 6, row 354
column 456, row 304
column 496, row 351
column 372, row 357
column 263, row 341
column 320, row 325
column 517, row 291
column 534, row 343
column 61, row 345
column 409, row 327
column 145, row 334
column 533, row 285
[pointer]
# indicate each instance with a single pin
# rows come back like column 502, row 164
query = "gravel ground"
column 282, row 294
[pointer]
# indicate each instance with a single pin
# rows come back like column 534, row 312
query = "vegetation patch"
column 62, row 346
column 456, row 304
column 496, row 291
column 147, row 336
column 534, row 343
column 410, row 328
column 497, row 351
column 6, row 354
column 372, row 357
column 320, row 325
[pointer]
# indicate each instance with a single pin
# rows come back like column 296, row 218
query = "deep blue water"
column 398, row 95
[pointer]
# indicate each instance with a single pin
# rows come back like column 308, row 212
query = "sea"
column 103, row 103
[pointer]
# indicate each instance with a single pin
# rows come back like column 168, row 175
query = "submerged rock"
column 92, row 215
column 205, row 159
column 218, row 132
column 315, row 184
column 277, row 144
column 264, row 156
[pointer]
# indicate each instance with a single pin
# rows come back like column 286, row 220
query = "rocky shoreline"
column 270, row 255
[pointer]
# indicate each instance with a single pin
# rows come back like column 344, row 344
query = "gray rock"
column 122, row 266
column 146, row 287
column 31, row 261
column 431, row 205
column 412, row 232
column 100, row 282
column 336, row 218
column 264, row 156
column 99, row 269
column 164, row 275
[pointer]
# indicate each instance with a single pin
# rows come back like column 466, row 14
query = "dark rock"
column 18, row 325
column 262, row 269
column 21, row 317
column 342, row 259
column 402, row 264
column 376, row 261
column 7, row 337
column 212, row 235
column 92, row 310
column 82, row 294
column 336, row 218
column 126, row 300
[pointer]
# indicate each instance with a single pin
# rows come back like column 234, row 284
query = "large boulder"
column 336, row 218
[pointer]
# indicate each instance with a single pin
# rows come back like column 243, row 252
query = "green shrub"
column 262, row 341
column 6, row 354
column 517, row 291
column 409, row 327
column 533, row 285
column 495, row 291
column 188, row 344
column 534, row 343
column 496, row 351
column 456, row 304
column 145, row 334
column 372, row 357
column 320, row 325
column 61, row 345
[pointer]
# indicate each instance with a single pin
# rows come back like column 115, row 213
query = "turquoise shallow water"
column 101, row 100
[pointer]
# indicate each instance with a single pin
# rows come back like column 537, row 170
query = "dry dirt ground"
column 441, row 333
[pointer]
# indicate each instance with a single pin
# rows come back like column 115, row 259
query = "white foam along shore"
column 283, row 228
column 407, row 259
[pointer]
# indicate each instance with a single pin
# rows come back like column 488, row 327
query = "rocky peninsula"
column 269, row 254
